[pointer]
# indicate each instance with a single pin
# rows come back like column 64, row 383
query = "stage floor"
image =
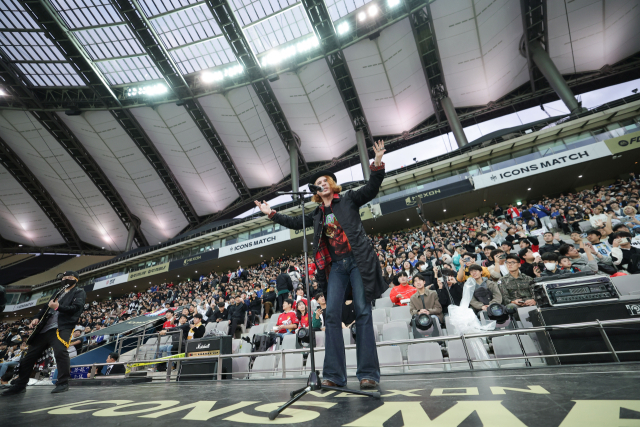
column 596, row 395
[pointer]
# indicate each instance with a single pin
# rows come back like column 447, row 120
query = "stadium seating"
column 507, row 346
column 390, row 355
column 424, row 353
column 240, row 365
column 263, row 367
column 293, row 365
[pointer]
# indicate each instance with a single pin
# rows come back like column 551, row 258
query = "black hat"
column 71, row 273
column 323, row 173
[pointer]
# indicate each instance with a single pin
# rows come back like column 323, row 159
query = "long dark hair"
column 299, row 313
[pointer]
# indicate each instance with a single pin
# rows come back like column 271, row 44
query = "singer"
column 344, row 257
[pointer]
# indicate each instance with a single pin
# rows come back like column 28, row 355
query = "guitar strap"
column 66, row 343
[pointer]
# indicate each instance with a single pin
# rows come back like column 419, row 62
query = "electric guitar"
column 45, row 317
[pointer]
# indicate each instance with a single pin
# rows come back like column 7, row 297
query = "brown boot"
column 330, row 384
column 368, row 384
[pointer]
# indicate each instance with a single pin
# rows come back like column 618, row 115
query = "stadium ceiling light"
column 19, row 246
column 444, row 210
column 2, row 93
column 343, row 28
column 407, row 219
column 362, row 16
column 216, row 76
column 373, row 10
column 277, row 56
column 579, row 176
column 393, row 3
column 528, row 189
column 150, row 90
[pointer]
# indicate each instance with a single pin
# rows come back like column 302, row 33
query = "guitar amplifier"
column 588, row 340
column 574, row 290
column 195, row 370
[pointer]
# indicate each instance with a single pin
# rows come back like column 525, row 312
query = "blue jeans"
column 4, row 367
column 343, row 273
column 163, row 350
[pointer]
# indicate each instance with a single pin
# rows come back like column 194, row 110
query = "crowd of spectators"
column 501, row 251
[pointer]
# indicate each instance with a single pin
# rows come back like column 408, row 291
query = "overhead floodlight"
column 209, row 77
column 393, row 3
column 280, row 55
column 373, row 10
column 2, row 93
column 362, row 16
column 343, row 28
column 150, row 90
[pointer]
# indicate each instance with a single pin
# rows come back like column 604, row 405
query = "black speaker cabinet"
column 194, row 370
column 623, row 337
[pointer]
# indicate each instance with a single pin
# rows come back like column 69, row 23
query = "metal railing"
column 600, row 325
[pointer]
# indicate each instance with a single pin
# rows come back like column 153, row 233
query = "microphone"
column 315, row 188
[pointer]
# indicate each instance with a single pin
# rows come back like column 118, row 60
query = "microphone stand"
column 313, row 382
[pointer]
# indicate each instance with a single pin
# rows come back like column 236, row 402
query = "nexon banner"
column 426, row 196
column 110, row 282
column 542, row 165
column 258, row 242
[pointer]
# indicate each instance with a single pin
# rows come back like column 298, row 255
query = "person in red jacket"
column 302, row 314
column 403, row 291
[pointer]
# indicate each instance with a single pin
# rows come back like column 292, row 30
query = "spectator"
column 284, row 286
column 543, row 214
column 269, row 300
column 499, row 268
column 515, row 288
column 513, row 213
column 400, row 294
column 255, row 309
column 197, row 329
column 302, row 314
column 319, row 315
column 467, row 260
column 595, row 238
column 111, row 368
column 237, row 312
column 389, row 275
column 529, row 262
column 551, row 267
column 485, row 291
column 425, row 301
column 75, row 344
column 582, row 261
column 625, row 257
column 565, row 265
column 549, row 245
column 287, row 320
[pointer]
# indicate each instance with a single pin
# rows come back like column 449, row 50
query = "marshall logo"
column 634, row 309
column 202, row 346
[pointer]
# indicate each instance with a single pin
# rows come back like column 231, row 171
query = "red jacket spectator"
column 287, row 318
column 401, row 292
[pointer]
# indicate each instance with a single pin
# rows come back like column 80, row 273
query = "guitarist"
column 56, row 333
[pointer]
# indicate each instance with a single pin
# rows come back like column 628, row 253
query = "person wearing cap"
column 269, row 299
column 344, row 256
column 56, row 333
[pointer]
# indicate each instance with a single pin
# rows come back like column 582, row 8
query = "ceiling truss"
column 331, row 47
column 534, row 24
column 143, row 30
column 232, row 31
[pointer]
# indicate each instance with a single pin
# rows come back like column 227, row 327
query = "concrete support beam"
column 454, row 122
column 362, row 152
column 293, row 162
column 550, row 72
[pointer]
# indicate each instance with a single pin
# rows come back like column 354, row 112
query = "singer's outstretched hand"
column 378, row 148
column 264, row 207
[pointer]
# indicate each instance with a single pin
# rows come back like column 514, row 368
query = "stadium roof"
column 168, row 114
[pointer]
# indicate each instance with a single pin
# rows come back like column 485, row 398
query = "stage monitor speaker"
column 588, row 340
column 194, row 370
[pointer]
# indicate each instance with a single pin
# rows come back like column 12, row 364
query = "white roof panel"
column 339, row 8
column 130, row 172
column 278, row 29
column 89, row 212
column 313, row 106
column 21, row 219
column 478, row 45
column 596, row 32
column 189, row 156
column 388, row 75
column 248, row 11
column 129, row 70
column 249, row 135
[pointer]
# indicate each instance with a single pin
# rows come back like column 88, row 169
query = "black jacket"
column 217, row 314
column 283, row 282
column 71, row 306
column 116, row 370
column 550, row 247
column 346, row 208
column 269, row 297
column 237, row 311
